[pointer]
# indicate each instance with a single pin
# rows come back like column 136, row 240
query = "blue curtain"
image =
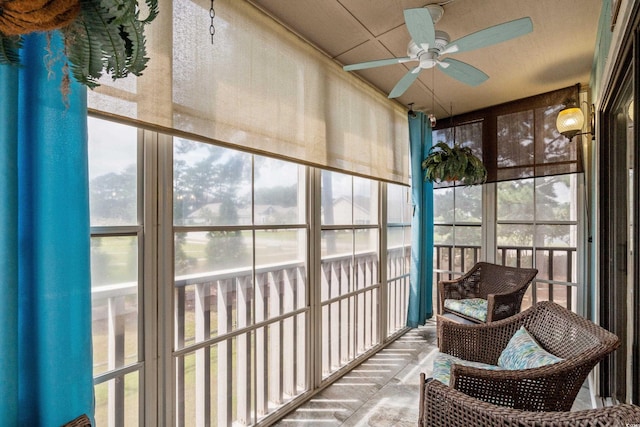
column 45, row 309
column 421, row 275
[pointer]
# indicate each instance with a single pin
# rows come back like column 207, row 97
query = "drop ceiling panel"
column 327, row 24
column 558, row 53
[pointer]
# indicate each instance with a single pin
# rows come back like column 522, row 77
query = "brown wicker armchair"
column 580, row 342
column 442, row 406
column 82, row 421
column 501, row 286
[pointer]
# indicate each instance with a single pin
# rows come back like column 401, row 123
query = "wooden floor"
column 383, row 391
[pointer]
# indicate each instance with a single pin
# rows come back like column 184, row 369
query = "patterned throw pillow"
column 523, row 352
column 472, row 307
column 442, row 366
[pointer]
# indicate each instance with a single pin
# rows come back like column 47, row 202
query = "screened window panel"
column 514, row 235
column 443, row 206
column 556, row 198
column 211, row 185
column 516, row 200
column 468, row 235
column 259, row 87
column 399, row 208
column 468, row 204
column 113, row 174
column 442, row 235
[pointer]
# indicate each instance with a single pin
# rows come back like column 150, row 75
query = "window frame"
column 156, row 301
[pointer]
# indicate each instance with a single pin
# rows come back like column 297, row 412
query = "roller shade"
column 260, row 88
column 518, row 139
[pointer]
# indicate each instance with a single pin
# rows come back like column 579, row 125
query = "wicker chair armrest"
column 82, row 421
column 449, row 289
column 546, row 388
column 477, row 343
column 444, row 406
column 459, row 287
column 503, row 305
column 505, row 296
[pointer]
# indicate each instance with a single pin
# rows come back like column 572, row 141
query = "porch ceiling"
column 558, row 53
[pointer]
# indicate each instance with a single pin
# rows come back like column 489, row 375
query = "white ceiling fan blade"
column 492, row 35
column 462, row 71
column 405, row 82
column 420, row 26
column 377, row 63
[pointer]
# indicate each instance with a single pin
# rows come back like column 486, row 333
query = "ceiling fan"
column 427, row 45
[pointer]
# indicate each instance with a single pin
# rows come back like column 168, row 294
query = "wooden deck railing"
column 241, row 350
column 556, row 280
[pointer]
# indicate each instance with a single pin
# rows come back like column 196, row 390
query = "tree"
column 209, row 191
column 278, row 196
column 113, row 197
column 225, row 249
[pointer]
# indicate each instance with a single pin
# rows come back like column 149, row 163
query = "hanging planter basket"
column 19, row 17
column 100, row 36
column 453, row 164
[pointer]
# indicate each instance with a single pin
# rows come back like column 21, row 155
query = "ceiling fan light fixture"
column 436, row 11
column 428, row 60
column 570, row 121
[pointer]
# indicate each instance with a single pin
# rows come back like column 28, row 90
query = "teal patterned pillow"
column 472, row 307
column 523, row 352
column 442, row 366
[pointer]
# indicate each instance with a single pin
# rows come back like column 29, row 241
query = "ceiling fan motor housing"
column 442, row 39
column 428, row 57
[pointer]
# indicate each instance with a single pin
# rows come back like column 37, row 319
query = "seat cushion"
column 471, row 307
column 443, row 362
column 523, row 352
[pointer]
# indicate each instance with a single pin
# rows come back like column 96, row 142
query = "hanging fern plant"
column 100, row 36
column 451, row 164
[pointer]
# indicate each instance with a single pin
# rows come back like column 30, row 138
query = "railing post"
column 202, row 356
column 325, row 293
column 179, row 330
column 289, row 345
column 116, row 334
column 225, row 359
column 262, row 347
column 275, row 340
column 243, row 350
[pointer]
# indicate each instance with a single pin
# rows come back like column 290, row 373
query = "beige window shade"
column 261, row 88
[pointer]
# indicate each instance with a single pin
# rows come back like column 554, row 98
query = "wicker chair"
column 442, row 406
column 501, row 286
column 81, row 421
column 580, row 342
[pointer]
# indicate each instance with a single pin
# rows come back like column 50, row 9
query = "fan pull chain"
column 212, row 14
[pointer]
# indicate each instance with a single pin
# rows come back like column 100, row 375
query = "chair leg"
column 421, row 403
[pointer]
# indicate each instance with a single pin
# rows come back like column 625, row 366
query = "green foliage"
column 9, row 47
column 447, row 164
column 107, row 36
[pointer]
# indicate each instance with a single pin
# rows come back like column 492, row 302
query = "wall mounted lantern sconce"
column 571, row 119
column 432, row 120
